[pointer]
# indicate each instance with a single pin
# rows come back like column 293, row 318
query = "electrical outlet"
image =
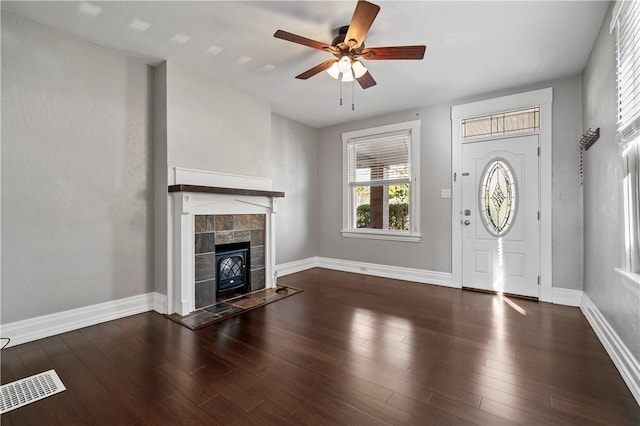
column 445, row 193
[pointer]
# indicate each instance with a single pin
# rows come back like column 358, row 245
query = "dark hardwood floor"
column 349, row 349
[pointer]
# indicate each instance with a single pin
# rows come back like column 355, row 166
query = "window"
column 504, row 123
column 631, row 162
column 380, row 188
column 498, row 197
column 628, row 63
column 627, row 27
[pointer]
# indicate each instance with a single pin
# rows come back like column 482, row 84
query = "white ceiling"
column 472, row 47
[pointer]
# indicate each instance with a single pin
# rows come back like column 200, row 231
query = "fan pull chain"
column 353, row 91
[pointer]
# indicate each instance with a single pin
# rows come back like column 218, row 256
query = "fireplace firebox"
column 232, row 268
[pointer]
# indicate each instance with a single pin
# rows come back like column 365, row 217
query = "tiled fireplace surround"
column 207, row 209
column 214, row 230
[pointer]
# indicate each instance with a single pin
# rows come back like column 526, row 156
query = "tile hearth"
column 231, row 307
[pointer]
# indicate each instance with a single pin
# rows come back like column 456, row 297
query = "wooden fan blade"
column 363, row 17
column 394, row 52
column 300, row 40
column 366, row 80
column 317, row 69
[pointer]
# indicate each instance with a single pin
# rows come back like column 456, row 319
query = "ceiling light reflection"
column 89, row 9
column 180, row 38
column 139, row 25
column 214, row 50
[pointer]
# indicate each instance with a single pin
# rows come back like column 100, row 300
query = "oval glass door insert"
column 498, row 197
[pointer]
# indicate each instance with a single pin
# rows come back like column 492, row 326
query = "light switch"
column 445, row 193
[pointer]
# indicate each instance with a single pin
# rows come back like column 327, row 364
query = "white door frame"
column 542, row 98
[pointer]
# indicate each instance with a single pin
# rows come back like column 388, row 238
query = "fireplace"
column 215, row 210
column 232, row 267
column 242, row 236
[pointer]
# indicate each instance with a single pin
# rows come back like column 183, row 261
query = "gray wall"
column 214, row 127
column 567, row 191
column 77, row 179
column 202, row 124
column 76, row 216
column 160, row 180
column 80, row 167
column 434, row 251
column 603, row 200
column 293, row 160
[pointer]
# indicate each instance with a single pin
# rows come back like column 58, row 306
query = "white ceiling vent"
column 25, row 391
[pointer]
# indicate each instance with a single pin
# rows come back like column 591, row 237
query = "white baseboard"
column 49, row 325
column 567, row 297
column 160, row 303
column 296, row 266
column 387, row 271
column 561, row 296
column 624, row 360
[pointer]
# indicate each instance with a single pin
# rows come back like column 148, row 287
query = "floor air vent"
column 32, row 389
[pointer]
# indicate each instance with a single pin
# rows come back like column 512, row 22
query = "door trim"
column 542, row 98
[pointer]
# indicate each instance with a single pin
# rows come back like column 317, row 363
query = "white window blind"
column 379, row 160
column 628, row 65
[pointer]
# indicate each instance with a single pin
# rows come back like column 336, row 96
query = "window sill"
column 382, row 235
column 630, row 280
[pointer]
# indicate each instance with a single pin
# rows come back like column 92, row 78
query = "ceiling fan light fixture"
column 358, row 69
column 344, row 65
column 349, row 45
column 339, row 72
column 347, row 77
column 333, row 70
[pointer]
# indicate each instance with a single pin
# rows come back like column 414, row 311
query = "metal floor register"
column 25, row 391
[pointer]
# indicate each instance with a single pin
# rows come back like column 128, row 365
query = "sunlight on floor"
column 498, row 283
column 377, row 342
column 514, row 305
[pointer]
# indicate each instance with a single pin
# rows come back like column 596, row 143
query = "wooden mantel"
column 219, row 190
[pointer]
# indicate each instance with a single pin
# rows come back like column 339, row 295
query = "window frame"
column 535, row 129
column 631, row 209
column 349, row 229
column 628, row 139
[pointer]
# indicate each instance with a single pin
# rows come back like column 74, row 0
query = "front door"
column 500, row 218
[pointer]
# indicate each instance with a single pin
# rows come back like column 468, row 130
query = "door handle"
column 467, row 222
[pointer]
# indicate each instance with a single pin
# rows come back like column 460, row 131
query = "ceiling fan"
column 348, row 47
